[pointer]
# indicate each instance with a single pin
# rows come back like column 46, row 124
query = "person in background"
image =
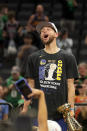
column 4, row 109
column 3, row 21
column 82, row 69
column 64, row 42
column 36, row 39
column 38, row 17
column 11, row 29
column 68, row 19
column 5, row 10
column 27, row 49
column 82, row 117
column 82, row 97
column 71, row 5
column 11, row 94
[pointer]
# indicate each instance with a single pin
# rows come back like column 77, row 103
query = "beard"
column 50, row 40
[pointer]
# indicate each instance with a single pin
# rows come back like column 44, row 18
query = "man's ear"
column 56, row 35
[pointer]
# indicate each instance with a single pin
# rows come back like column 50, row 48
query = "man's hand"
column 25, row 107
column 35, row 93
column 72, row 113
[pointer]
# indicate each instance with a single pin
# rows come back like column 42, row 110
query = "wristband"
column 72, row 109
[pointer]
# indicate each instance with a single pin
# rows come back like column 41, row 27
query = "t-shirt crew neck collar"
column 53, row 53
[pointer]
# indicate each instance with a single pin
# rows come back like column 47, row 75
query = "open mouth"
column 45, row 36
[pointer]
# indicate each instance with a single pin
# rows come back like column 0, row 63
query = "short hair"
column 83, row 64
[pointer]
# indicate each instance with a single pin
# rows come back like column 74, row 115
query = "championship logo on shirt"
column 50, row 71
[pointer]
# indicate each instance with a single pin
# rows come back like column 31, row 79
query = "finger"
column 64, row 117
column 30, row 95
column 27, row 101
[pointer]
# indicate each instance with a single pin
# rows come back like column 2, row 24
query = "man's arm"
column 30, row 22
column 42, row 109
column 31, row 82
column 71, row 94
column 46, row 18
column 5, row 117
column 22, row 50
column 6, row 111
column 42, row 113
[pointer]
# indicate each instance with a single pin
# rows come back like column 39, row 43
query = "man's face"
column 82, row 70
column 47, row 35
column 39, row 9
column 16, row 76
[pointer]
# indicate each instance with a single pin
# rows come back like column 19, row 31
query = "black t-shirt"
column 50, row 72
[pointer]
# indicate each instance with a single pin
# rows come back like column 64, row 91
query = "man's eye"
column 49, row 29
column 42, row 31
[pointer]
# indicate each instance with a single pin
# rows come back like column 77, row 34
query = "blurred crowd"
column 17, row 42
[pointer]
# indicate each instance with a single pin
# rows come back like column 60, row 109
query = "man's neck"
column 51, row 48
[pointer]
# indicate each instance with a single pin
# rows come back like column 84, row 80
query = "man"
column 27, row 49
column 3, row 21
column 4, row 109
column 82, row 69
column 53, row 71
column 37, row 17
column 10, row 33
column 13, row 96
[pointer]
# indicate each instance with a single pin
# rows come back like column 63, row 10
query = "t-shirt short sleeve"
column 29, row 73
column 71, row 67
column 6, row 109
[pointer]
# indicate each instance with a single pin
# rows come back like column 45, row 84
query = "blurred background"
column 19, row 39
